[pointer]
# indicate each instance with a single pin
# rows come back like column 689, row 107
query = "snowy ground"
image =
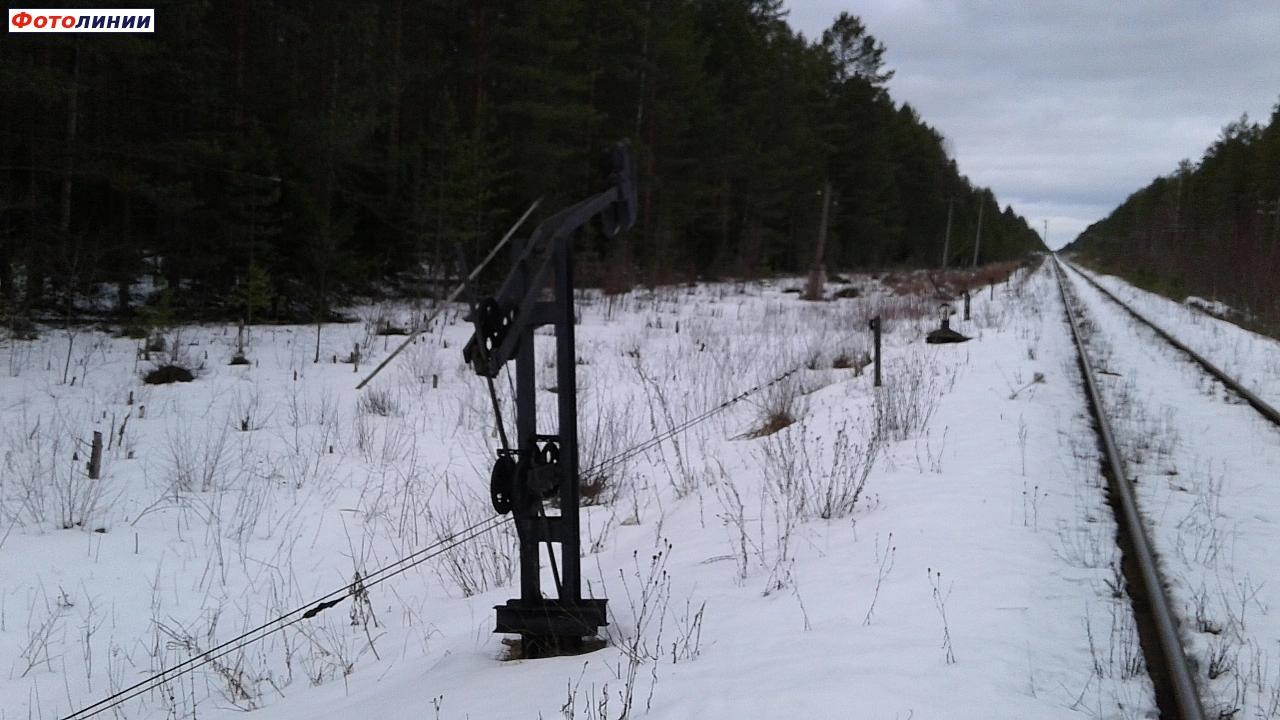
column 1205, row 466
column 964, row 567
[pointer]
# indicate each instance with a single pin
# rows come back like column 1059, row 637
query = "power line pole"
column 977, row 243
column 946, row 243
column 1046, row 232
column 817, row 273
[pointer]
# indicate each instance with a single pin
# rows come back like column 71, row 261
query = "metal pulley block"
column 493, row 323
column 544, row 470
column 502, row 482
column 540, row 474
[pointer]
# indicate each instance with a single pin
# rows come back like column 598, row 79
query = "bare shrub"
column 377, row 402
column 198, row 461
column 735, row 521
column 487, row 561
column 239, row 687
column 335, row 648
column 612, row 431
column 913, row 386
column 826, row 476
column 940, row 604
column 420, row 362
column 642, row 636
column 662, row 421
column 43, row 632
column 49, row 483
column 249, row 414
column 806, row 477
column 782, row 406
column 648, row 593
column 846, row 360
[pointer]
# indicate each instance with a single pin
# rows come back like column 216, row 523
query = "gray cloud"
column 1065, row 107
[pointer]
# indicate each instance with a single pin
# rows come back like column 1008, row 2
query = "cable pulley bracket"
column 493, row 322
column 543, row 478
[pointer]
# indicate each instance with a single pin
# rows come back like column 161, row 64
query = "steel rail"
column 1176, row 670
column 1266, row 410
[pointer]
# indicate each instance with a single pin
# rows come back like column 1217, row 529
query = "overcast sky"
column 1065, row 107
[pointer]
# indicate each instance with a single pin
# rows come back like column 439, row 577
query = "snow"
column 972, row 578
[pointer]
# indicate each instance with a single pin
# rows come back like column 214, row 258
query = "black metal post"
column 567, row 382
column 95, row 457
column 966, row 305
column 526, row 429
column 875, row 331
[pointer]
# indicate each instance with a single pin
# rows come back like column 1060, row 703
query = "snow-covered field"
column 1205, row 466
column 938, row 547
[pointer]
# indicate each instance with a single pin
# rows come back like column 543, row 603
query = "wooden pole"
column 817, row 273
column 95, row 457
column 875, row 330
column 946, row 242
column 977, row 243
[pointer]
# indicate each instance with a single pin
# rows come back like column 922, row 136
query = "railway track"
column 1171, row 673
column 1266, row 410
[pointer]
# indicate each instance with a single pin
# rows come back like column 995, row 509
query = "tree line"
column 1211, row 228
column 270, row 158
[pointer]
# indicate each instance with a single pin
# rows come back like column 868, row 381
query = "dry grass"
column 774, row 422
column 513, row 648
column 951, row 282
column 591, row 491
column 912, row 283
column 999, row 272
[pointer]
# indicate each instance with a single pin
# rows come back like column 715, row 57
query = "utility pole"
column 946, row 242
column 1046, row 232
column 977, row 243
column 817, row 274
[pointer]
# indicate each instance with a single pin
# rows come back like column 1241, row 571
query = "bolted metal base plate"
column 552, row 617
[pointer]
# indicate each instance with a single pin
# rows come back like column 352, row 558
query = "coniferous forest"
column 1211, row 228
column 271, row 159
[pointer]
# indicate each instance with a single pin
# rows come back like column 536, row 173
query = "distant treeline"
column 1210, row 229
column 270, row 158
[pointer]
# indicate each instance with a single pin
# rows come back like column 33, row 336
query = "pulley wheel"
column 502, row 483
column 493, row 322
column 549, row 454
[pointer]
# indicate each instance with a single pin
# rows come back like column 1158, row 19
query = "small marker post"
column 95, row 457
column 875, row 331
